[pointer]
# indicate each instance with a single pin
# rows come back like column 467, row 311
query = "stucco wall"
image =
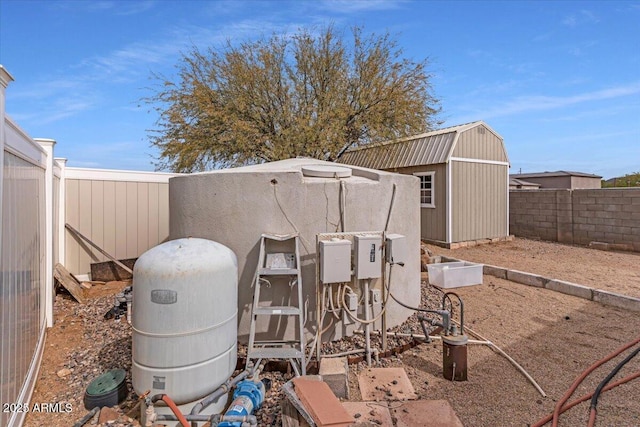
column 235, row 206
column 609, row 215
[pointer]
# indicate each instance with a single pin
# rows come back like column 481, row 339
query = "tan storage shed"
column 464, row 179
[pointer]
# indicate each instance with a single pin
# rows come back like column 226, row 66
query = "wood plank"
column 290, row 415
column 102, row 251
column 69, row 282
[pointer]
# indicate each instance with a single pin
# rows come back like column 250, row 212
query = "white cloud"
column 584, row 17
column 523, row 104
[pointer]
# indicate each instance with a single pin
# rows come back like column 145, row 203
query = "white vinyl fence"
column 26, row 257
column 124, row 212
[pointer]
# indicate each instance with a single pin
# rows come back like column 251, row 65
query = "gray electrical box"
column 368, row 256
column 335, row 261
column 396, row 249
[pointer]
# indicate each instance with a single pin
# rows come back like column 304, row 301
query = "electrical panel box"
column 376, row 296
column 368, row 254
column 396, row 249
column 335, row 261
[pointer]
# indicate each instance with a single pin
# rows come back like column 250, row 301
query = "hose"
column 208, row 400
column 586, row 397
column 509, row 358
column 174, row 408
column 596, row 394
column 87, row 417
column 581, row 377
column 483, row 341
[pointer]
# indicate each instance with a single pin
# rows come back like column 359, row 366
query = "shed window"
column 427, row 199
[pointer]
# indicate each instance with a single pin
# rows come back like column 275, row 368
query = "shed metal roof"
column 424, row 149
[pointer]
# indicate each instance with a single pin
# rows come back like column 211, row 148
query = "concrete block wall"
column 608, row 215
column 533, row 214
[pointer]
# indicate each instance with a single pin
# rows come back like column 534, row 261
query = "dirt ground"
column 552, row 335
column 611, row 271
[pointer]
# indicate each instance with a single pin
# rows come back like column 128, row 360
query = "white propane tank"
column 184, row 319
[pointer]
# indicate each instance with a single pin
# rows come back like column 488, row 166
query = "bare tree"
column 287, row 96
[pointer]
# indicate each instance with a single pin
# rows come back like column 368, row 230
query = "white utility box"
column 335, row 261
column 455, row 274
column 368, row 256
column 396, row 249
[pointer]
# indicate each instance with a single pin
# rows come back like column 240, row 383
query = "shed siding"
column 433, row 221
column 479, row 201
column 123, row 218
column 480, row 143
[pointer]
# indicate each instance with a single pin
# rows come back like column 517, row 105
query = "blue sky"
column 560, row 81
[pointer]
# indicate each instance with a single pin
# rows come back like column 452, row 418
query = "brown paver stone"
column 322, row 404
column 426, row 413
column 374, row 413
column 385, row 384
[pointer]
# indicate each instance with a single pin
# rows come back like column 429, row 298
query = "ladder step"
column 275, row 353
column 278, row 272
column 278, row 310
column 279, row 237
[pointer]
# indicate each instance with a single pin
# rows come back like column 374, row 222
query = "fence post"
column 47, row 145
column 5, row 79
column 62, row 211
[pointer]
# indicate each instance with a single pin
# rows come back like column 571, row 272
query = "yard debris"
column 107, row 414
column 69, row 282
column 80, row 236
column 108, row 271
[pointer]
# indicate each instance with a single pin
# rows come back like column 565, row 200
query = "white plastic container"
column 184, row 319
column 455, row 274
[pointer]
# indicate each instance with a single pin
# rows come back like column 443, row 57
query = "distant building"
column 464, row 179
column 560, row 179
column 520, row 184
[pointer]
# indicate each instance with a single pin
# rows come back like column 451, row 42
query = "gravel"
column 554, row 336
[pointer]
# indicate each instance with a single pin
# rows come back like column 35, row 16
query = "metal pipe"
column 445, row 297
column 224, row 388
column 215, row 419
column 393, row 197
column 87, row 417
column 344, row 353
column 343, row 205
column 367, row 326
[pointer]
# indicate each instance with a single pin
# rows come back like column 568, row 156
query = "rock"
column 63, row 372
column 107, row 414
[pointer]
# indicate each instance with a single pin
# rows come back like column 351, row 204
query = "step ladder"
column 278, row 267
